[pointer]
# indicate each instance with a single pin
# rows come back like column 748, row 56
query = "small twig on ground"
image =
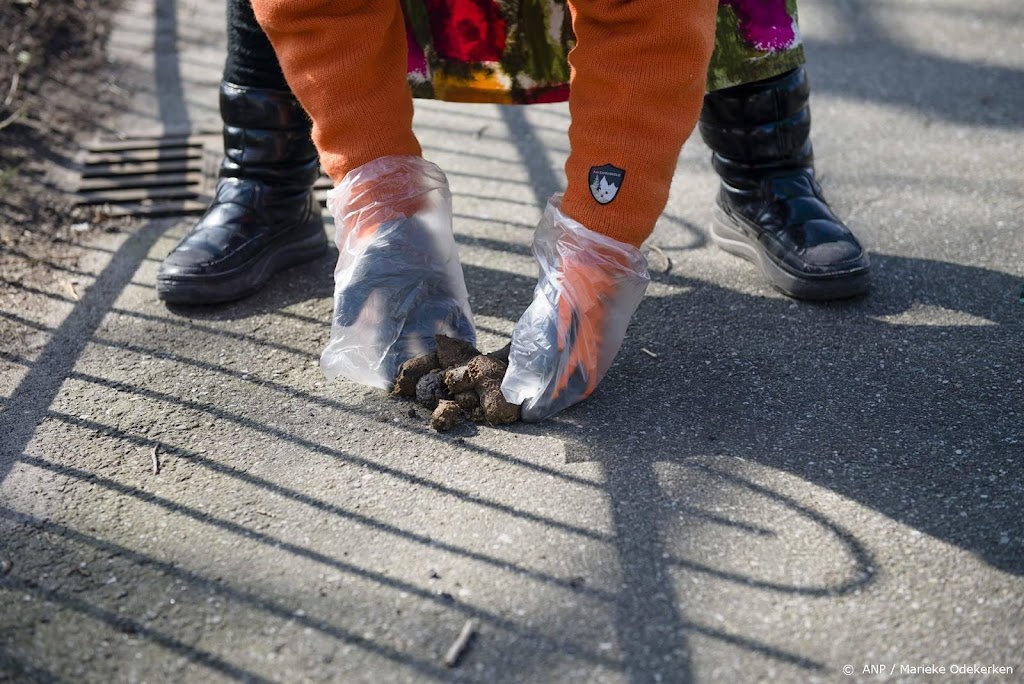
column 156, row 459
column 649, row 352
column 13, row 117
column 458, row 648
column 13, row 89
column 70, row 287
column 668, row 262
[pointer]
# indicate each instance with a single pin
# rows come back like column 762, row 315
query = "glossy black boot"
column 264, row 217
column 770, row 209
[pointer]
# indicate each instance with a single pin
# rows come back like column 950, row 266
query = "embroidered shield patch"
column 605, row 182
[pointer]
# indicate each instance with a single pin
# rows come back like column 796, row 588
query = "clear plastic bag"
column 398, row 281
column 588, row 289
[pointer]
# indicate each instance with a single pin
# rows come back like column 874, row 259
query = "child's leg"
column 346, row 61
column 263, row 217
column 639, row 69
column 398, row 281
column 638, row 75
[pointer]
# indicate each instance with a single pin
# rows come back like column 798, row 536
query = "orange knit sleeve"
column 346, row 61
column 637, row 85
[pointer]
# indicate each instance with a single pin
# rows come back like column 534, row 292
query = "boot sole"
column 242, row 281
column 729, row 237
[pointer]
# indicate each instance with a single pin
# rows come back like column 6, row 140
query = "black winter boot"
column 770, row 209
column 264, row 217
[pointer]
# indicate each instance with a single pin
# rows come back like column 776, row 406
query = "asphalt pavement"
column 761, row 489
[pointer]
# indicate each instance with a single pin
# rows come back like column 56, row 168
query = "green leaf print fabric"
column 516, row 51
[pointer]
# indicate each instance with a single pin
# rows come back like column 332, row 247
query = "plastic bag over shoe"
column 398, row 281
column 588, row 289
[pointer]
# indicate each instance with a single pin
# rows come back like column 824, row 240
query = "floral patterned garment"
column 515, row 51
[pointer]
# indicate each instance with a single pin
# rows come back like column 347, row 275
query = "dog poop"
column 410, row 373
column 445, row 415
column 431, row 390
column 458, row 380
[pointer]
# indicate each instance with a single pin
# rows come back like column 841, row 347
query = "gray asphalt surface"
column 785, row 490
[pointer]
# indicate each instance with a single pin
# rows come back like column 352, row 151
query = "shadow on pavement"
column 871, row 399
column 898, row 416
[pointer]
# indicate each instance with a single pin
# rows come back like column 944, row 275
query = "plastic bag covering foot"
column 589, row 287
column 398, row 281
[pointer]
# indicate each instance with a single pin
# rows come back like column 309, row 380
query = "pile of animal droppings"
column 457, row 380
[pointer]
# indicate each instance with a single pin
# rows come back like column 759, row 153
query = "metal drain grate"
column 157, row 177
column 147, row 177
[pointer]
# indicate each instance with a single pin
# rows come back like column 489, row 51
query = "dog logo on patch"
column 605, row 182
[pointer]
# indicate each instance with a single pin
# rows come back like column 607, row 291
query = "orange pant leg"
column 346, row 60
column 638, row 74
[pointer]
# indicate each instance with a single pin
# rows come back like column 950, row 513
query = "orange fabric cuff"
column 638, row 76
column 346, row 63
